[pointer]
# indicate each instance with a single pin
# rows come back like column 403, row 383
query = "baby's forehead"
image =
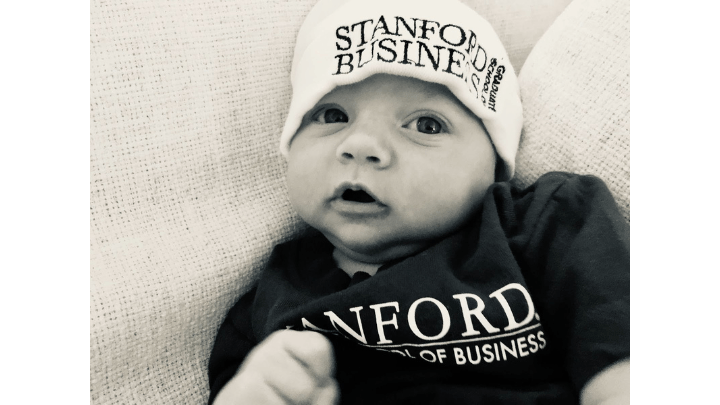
column 385, row 85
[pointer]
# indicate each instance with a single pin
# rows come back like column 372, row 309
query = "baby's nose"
column 362, row 148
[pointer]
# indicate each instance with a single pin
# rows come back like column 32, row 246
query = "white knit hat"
column 345, row 41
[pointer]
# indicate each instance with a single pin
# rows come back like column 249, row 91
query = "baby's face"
column 387, row 166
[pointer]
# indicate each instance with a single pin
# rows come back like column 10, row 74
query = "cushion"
column 576, row 98
column 519, row 23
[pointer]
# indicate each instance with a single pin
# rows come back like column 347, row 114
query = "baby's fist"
column 289, row 367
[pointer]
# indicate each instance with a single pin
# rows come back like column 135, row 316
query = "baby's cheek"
column 305, row 190
column 297, row 185
column 452, row 201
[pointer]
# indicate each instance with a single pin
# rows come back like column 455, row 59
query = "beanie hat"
column 343, row 42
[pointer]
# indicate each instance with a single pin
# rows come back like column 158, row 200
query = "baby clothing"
column 523, row 305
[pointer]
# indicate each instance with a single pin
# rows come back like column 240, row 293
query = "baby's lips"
column 342, row 188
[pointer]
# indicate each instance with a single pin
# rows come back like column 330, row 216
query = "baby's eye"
column 331, row 116
column 428, row 125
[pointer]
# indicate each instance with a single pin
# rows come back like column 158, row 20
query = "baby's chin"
column 374, row 251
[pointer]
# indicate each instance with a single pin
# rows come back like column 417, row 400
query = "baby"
column 430, row 279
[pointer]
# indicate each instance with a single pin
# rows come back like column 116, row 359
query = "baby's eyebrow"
column 428, row 93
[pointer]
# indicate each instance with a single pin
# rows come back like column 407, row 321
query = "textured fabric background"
column 187, row 192
column 187, row 189
column 575, row 88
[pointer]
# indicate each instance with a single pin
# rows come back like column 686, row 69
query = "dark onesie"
column 455, row 323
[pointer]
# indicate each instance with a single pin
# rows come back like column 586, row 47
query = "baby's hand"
column 289, row 368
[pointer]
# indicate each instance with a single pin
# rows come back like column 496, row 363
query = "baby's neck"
column 351, row 266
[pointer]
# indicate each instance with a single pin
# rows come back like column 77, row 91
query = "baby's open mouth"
column 357, row 196
column 355, row 200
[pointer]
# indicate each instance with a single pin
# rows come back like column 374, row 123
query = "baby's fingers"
column 250, row 388
column 328, row 395
column 275, row 373
column 313, row 350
